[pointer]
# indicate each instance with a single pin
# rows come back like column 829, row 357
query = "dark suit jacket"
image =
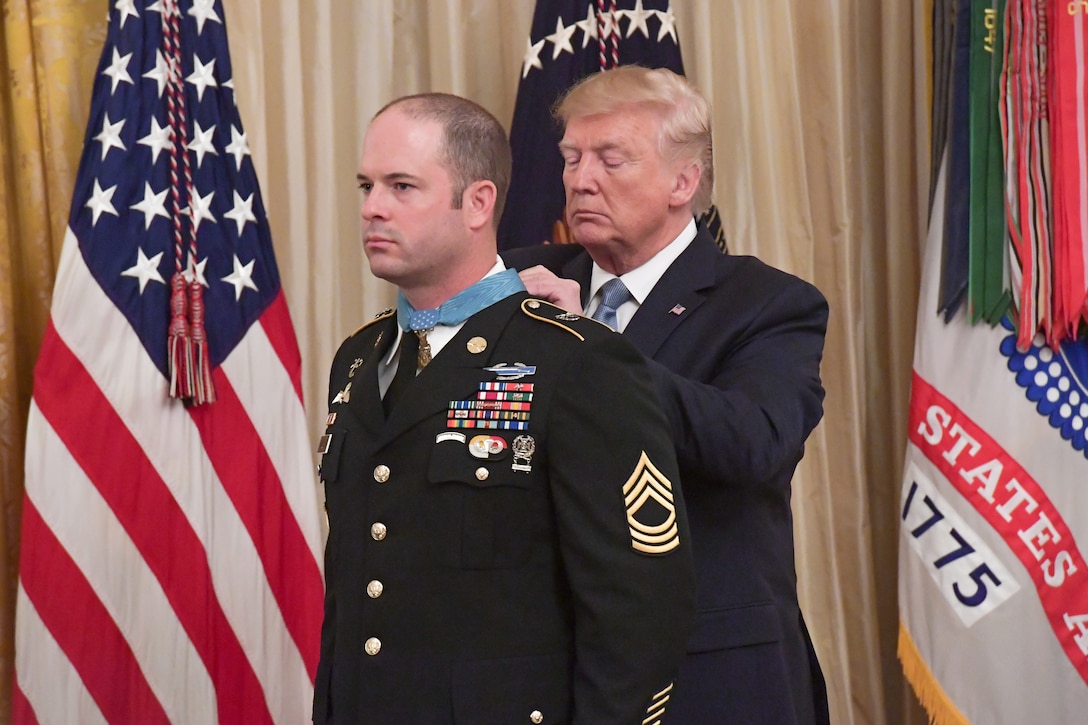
column 734, row 346
column 557, row 581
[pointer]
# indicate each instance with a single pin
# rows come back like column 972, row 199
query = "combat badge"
column 524, row 447
column 567, row 316
column 651, row 513
column 512, row 372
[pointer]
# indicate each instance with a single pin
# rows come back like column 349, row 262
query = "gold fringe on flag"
column 940, row 709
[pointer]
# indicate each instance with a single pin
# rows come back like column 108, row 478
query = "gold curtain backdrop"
column 821, row 149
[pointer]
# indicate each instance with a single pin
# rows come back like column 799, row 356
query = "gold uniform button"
column 374, row 589
column 373, row 646
column 378, row 531
column 536, row 716
column 381, row 473
column 482, row 474
column 532, row 304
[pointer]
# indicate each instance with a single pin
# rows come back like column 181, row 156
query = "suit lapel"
column 675, row 296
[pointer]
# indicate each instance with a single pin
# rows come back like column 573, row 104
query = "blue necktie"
column 613, row 294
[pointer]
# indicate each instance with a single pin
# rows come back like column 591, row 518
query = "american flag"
column 569, row 40
column 170, row 563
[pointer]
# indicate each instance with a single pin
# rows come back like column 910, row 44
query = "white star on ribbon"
column 561, row 38
column 156, row 7
column 101, row 201
column 145, row 270
column 157, row 139
column 238, row 147
column 241, row 277
column 204, row 10
column 668, row 24
column 588, row 26
column 195, row 271
column 118, row 70
column 202, row 76
column 160, row 72
column 532, row 56
column 637, row 19
column 110, row 135
column 127, row 9
column 242, row 212
column 199, row 208
column 202, row 143
column 152, row 205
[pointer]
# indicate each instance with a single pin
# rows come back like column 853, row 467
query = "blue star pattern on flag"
column 184, row 532
column 162, row 198
column 569, row 40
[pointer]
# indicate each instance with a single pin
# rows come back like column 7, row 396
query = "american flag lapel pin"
column 677, row 310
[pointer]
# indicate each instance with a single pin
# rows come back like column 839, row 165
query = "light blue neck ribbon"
column 462, row 305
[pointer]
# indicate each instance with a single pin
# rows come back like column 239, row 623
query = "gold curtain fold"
column 820, row 131
column 48, row 54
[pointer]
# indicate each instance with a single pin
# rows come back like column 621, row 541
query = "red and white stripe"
column 170, row 567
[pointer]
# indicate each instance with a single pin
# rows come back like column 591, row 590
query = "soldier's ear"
column 685, row 184
column 478, row 204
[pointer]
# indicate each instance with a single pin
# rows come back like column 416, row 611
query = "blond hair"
column 685, row 114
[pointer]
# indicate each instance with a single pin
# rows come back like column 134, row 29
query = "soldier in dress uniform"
column 507, row 538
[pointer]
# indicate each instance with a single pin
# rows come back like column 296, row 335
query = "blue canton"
column 123, row 210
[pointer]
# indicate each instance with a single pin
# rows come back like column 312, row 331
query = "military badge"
column 524, row 447
column 344, row 396
column 330, row 419
column 487, row 447
column 450, row 435
column 651, row 513
column 512, row 372
column 323, row 443
column 567, row 317
column 354, row 366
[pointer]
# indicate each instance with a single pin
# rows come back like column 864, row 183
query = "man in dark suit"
column 734, row 347
column 506, row 540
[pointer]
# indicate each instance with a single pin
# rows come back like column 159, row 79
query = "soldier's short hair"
column 474, row 145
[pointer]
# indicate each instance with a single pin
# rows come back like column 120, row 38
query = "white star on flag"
column 200, row 208
column 157, row 139
column 110, row 135
column 241, row 277
column 152, row 205
column 203, row 10
column 637, row 19
column 145, row 270
column 118, row 70
column 195, row 271
column 101, row 201
column 203, row 75
column 160, row 72
column 668, row 25
column 561, row 38
column 201, row 143
column 238, row 147
column 242, row 212
column 127, row 9
column 532, row 57
column 588, row 26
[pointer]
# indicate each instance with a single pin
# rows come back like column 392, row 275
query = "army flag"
column 571, row 39
column 993, row 588
column 170, row 559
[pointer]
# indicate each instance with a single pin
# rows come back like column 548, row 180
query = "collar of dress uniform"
column 462, row 305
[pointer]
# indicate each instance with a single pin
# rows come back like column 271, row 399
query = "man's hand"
column 540, row 282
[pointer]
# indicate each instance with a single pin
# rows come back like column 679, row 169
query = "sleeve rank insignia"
column 651, row 513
